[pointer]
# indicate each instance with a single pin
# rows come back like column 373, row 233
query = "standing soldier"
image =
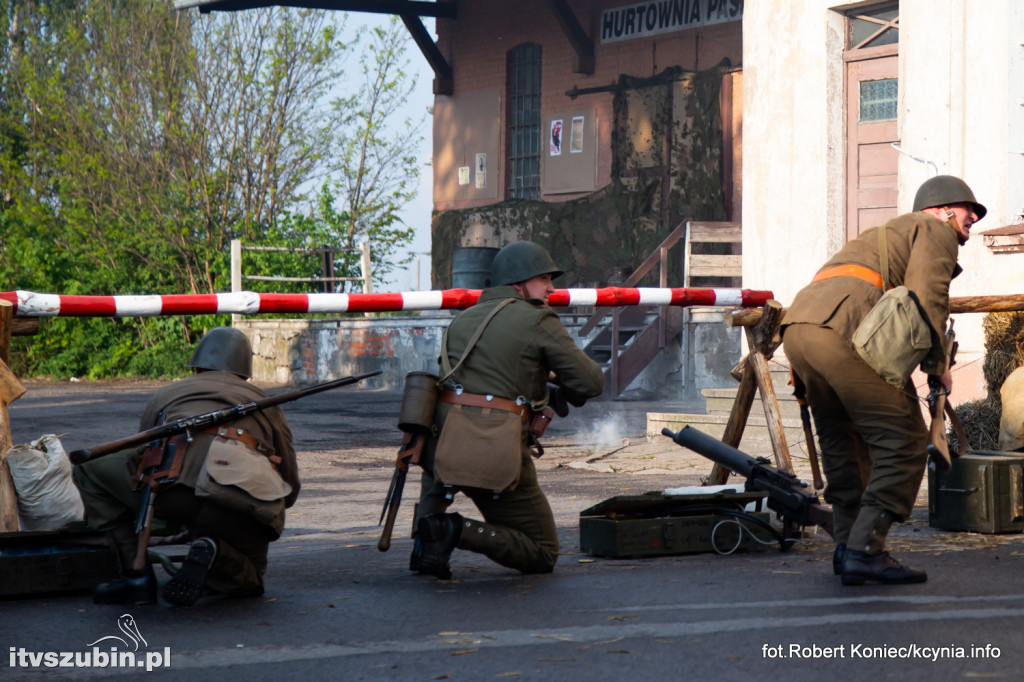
column 497, row 386
column 230, row 525
column 872, row 435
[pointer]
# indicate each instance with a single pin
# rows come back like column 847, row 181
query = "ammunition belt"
column 859, row 271
column 242, row 435
column 486, row 401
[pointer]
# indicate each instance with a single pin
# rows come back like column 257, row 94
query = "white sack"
column 47, row 497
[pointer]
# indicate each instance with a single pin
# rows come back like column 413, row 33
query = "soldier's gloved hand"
column 557, row 400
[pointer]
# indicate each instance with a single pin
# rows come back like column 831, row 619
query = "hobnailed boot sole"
column 186, row 586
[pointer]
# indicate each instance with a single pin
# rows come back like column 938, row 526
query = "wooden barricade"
column 10, row 390
column 754, row 375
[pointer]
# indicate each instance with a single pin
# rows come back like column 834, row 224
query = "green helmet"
column 223, row 349
column 943, row 190
column 520, row 261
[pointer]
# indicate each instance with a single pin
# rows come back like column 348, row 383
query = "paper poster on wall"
column 481, row 170
column 463, row 175
column 576, row 135
column 555, row 143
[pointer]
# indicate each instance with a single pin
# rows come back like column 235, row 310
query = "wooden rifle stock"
column 409, row 453
column 202, row 421
column 938, row 444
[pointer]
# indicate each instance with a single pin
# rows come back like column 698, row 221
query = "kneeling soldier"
column 504, row 350
column 231, row 522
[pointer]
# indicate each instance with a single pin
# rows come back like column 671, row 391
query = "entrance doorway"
column 872, row 91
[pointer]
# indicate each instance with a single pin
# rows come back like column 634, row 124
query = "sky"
column 417, row 214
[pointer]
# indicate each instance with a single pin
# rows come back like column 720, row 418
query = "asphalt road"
column 337, row 608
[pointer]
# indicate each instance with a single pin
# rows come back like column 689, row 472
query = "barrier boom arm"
column 31, row 304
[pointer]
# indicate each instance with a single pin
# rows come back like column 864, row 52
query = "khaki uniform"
column 111, row 504
column 872, row 435
column 520, row 346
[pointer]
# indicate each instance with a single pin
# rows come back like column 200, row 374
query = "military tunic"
column 521, row 345
column 110, row 503
column 872, row 434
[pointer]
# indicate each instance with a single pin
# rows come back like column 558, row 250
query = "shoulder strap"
column 883, row 256
column 445, row 364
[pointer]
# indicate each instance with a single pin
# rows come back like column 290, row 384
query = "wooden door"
column 871, row 131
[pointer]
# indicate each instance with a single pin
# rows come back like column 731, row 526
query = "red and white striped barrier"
column 30, row 304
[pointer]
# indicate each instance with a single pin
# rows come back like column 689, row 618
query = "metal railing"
column 327, row 254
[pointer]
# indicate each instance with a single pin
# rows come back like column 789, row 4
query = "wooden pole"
column 748, row 317
column 762, row 342
column 8, row 498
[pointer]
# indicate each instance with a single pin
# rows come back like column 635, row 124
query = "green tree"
column 378, row 169
column 136, row 142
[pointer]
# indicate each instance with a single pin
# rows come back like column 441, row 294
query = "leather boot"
column 127, row 588
column 838, row 557
column 186, row 586
column 477, row 536
column 859, row 567
column 438, row 535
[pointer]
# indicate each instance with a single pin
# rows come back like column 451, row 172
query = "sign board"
column 643, row 19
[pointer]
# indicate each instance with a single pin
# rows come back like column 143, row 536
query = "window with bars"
column 522, row 87
column 873, row 28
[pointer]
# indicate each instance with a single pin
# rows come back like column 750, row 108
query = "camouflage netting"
column 666, row 167
column 1004, row 352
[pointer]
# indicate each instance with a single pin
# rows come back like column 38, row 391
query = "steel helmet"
column 520, row 261
column 943, row 190
column 224, row 349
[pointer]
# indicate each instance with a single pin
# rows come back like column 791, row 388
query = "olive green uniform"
column 111, row 504
column 520, row 346
column 872, row 435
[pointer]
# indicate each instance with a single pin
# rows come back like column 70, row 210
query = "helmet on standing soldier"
column 520, row 261
column 223, row 349
column 943, row 190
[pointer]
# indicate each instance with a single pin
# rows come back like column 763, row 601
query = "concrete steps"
column 718, row 404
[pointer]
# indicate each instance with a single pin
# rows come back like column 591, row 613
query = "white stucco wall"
column 961, row 83
column 792, row 142
column 959, row 106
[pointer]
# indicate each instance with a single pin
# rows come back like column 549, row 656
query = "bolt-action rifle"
column 938, row 406
column 787, row 495
column 202, row 421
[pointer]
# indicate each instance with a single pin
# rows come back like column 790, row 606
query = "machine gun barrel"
column 787, row 494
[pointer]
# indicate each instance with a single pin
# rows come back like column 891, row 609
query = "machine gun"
column 787, row 495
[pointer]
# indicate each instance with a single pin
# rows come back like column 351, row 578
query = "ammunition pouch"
column 161, row 461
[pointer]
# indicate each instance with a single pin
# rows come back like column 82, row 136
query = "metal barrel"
column 471, row 266
column 713, row 449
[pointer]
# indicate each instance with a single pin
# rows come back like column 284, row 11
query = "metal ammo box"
column 982, row 493
column 50, row 562
column 656, row 524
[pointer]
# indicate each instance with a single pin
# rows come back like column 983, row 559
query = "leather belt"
column 486, row 401
column 859, row 271
column 243, row 436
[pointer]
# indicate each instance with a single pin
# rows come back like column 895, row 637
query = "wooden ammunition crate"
column 53, row 562
column 656, row 524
